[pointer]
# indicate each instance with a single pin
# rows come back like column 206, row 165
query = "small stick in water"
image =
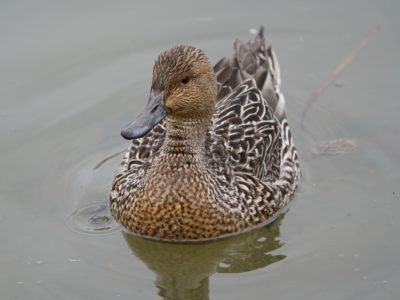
column 338, row 71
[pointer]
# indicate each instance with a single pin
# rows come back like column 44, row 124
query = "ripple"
column 334, row 147
column 93, row 218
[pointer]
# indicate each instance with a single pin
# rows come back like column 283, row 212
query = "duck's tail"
column 253, row 60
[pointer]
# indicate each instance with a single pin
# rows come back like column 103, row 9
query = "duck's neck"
column 185, row 137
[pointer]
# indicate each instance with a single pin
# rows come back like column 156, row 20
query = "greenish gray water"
column 74, row 73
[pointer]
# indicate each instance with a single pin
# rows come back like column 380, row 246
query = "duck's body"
column 220, row 159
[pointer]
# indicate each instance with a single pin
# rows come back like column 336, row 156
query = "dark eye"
column 185, row 79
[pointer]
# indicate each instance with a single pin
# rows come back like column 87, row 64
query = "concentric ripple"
column 93, row 218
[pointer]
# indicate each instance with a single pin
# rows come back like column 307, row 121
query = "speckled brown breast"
column 176, row 204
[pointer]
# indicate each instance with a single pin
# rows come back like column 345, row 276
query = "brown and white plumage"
column 235, row 174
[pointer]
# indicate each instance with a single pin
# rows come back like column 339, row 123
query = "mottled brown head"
column 184, row 86
column 188, row 82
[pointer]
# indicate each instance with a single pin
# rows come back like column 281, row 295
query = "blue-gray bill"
column 153, row 113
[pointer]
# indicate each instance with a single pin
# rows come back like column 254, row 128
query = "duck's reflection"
column 183, row 270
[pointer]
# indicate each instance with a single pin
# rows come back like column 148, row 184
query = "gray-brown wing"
column 245, row 133
column 252, row 60
column 250, row 109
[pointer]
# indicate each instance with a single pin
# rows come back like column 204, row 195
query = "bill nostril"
column 154, row 109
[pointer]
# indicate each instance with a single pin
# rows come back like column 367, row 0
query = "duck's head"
column 184, row 86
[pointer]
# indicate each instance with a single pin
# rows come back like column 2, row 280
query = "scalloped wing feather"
column 246, row 132
column 252, row 60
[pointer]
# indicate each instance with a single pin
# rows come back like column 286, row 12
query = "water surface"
column 74, row 73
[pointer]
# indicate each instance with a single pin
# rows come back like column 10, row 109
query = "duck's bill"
column 153, row 113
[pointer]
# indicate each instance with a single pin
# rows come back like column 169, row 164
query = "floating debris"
column 339, row 84
column 338, row 72
column 334, row 147
column 223, row 265
column 74, row 259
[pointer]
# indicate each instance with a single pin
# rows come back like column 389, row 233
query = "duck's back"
column 252, row 60
column 250, row 112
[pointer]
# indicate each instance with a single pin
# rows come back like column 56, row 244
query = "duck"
column 212, row 154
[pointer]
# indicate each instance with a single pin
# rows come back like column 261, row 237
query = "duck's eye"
column 185, row 79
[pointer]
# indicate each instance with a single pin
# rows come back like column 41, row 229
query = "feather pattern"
column 252, row 164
